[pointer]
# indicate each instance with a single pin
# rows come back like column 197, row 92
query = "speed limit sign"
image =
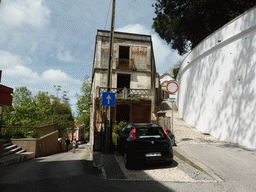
column 172, row 87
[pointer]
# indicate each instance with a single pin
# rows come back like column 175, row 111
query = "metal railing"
column 124, row 63
column 127, row 93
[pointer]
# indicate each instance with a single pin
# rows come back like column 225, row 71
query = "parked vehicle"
column 80, row 142
column 144, row 143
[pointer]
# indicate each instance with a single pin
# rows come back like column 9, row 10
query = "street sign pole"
column 108, row 126
column 172, row 117
column 172, row 87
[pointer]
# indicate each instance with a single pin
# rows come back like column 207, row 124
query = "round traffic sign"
column 172, row 87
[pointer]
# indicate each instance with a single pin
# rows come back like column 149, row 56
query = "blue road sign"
column 108, row 99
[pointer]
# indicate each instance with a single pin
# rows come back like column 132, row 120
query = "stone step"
column 7, row 144
column 12, row 151
column 21, row 151
column 8, row 148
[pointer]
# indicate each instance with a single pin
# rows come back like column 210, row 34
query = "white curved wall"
column 217, row 79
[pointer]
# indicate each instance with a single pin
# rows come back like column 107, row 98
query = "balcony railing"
column 127, row 93
column 124, row 63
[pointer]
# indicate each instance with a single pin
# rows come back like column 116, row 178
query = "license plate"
column 153, row 154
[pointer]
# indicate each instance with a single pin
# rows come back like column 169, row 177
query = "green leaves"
column 41, row 109
column 185, row 23
column 83, row 106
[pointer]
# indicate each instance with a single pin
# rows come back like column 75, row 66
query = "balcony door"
column 124, row 56
column 123, row 80
column 124, row 52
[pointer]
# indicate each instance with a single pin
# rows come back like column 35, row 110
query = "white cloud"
column 24, row 73
column 165, row 57
column 13, row 65
column 33, row 12
column 9, row 60
column 64, row 56
column 58, row 76
column 136, row 28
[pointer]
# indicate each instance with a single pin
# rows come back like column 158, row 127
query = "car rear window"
column 145, row 133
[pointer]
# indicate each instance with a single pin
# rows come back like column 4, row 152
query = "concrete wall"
column 217, row 80
column 42, row 146
column 26, row 143
column 47, row 144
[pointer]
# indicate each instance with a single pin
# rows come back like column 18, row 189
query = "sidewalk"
column 185, row 134
column 187, row 139
column 221, row 160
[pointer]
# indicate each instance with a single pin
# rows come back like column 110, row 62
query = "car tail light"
column 133, row 134
column 165, row 133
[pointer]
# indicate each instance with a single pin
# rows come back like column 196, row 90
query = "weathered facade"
column 133, row 78
column 164, row 80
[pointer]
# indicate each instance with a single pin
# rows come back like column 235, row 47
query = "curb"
column 98, row 163
column 195, row 163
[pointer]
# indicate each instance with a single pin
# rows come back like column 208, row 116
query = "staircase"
column 13, row 154
column 9, row 148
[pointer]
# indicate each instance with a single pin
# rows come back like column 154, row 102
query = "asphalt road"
column 71, row 172
column 65, row 171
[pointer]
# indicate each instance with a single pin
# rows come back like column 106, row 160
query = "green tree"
column 175, row 69
column 23, row 108
column 185, row 23
column 41, row 109
column 64, row 97
column 63, row 116
column 43, row 112
column 83, row 107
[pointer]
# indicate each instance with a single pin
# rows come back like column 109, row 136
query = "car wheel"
column 127, row 161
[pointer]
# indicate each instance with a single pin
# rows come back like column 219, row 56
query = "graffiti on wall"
column 141, row 50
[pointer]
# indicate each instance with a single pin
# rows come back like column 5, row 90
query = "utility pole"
column 108, row 123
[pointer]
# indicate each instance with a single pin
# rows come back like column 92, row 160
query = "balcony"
column 127, row 93
column 124, row 63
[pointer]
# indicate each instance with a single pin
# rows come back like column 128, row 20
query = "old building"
column 133, row 78
column 164, row 80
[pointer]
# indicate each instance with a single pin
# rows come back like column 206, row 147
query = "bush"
column 33, row 134
column 114, row 139
column 117, row 128
column 7, row 134
column 18, row 133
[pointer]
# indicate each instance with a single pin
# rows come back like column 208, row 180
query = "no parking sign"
column 172, row 87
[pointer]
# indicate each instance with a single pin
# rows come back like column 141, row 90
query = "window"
column 124, row 52
column 144, row 133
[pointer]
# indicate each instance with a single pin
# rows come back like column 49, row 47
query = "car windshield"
column 144, row 133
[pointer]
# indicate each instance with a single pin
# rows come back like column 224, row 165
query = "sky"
column 51, row 42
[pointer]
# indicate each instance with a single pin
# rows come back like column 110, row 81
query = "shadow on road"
column 63, row 172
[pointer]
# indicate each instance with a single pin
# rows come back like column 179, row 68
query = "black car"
column 144, row 143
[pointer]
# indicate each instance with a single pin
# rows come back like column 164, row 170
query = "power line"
column 108, row 14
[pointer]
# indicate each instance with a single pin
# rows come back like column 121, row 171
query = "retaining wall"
column 42, row 146
column 217, row 79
